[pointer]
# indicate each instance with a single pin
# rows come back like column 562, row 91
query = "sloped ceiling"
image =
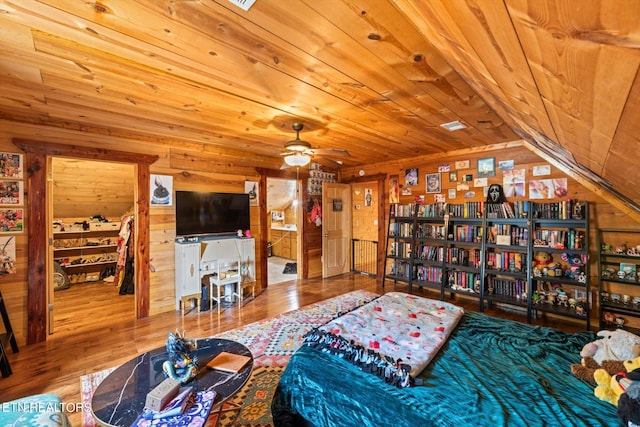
column 375, row 77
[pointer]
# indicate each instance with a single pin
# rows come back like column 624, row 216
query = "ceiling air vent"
column 451, row 126
column 243, row 4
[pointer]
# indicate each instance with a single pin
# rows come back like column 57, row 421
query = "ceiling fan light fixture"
column 297, row 159
column 297, row 145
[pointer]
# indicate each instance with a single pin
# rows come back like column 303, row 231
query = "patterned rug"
column 272, row 342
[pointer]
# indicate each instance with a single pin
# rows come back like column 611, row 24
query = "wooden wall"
column 188, row 174
column 191, row 170
column 602, row 214
column 82, row 188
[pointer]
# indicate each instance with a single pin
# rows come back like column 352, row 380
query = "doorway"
column 39, row 226
column 91, row 202
column 282, row 230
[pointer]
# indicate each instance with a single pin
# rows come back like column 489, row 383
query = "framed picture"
column 8, row 253
column 542, row 170
column 161, row 190
column 505, row 164
column 11, row 220
column 444, row 167
column 337, row 205
column 11, row 193
column 453, row 176
column 452, row 193
column 11, row 165
column 433, row 182
column 411, row 177
column 368, row 197
column 251, row 188
column 463, row 164
column 486, row 167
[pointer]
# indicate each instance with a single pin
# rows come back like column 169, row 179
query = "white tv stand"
column 200, row 256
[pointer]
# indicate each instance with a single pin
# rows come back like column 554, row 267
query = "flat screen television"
column 199, row 213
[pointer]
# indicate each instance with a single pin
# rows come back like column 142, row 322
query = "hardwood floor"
column 100, row 332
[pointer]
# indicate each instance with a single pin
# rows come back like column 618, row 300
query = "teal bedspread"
column 491, row 372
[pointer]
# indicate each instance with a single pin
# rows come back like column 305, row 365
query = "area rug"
column 290, row 268
column 272, row 342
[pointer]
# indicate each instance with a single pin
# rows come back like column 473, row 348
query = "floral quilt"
column 394, row 336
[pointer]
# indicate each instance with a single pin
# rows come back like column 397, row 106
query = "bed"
column 488, row 372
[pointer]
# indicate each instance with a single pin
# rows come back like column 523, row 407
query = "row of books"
column 507, row 261
column 566, row 209
column 466, row 209
column 433, row 253
column 464, row 280
column 428, row 274
column 401, row 249
column 518, row 236
column 430, row 231
column 467, row 233
column 499, row 210
column 401, row 229
column 464, row 257
column 401, row 269
column 433, row 210
column 559, row 239
column 506, row 287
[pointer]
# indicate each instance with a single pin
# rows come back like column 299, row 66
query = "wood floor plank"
column 96, row 329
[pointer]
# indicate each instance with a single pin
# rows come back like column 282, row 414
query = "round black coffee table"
column 121, row 396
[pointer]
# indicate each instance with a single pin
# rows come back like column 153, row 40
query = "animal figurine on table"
column 181, row 365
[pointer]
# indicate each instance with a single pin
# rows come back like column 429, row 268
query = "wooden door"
column 336, row 229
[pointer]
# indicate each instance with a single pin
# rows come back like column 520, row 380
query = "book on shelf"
column 229, row 362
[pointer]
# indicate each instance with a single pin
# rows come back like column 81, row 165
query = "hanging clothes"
column 124, row 241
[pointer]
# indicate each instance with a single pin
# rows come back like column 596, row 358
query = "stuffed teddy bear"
column 542, row 261
column 608, row 353
column 588, row 366
column 611, row 387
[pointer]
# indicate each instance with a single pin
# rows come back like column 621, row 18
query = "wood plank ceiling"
column 375, row 77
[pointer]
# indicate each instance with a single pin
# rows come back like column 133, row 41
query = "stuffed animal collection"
column 608, row 353
column 613, row 363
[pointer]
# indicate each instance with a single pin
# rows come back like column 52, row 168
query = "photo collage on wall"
column 11, row 208
column 462, row 179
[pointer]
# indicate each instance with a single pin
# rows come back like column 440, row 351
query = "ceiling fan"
column 299, row 152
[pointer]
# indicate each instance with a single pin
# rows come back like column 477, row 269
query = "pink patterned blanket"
column 394, row 336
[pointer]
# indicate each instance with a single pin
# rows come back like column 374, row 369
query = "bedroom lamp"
column 297, row 159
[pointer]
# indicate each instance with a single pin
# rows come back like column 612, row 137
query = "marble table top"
column 121, row 396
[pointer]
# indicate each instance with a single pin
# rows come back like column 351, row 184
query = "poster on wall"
column 11, row 165
column 161, row 190
column 11, row 220
column 513, row 182
column 394, row 189
column 11, row 192
column 7, row 255
column 548, row 188
column 411, row 177
column 251, row 188
column 433, row 182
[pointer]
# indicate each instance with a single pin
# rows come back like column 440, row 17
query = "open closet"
column 92, row 216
